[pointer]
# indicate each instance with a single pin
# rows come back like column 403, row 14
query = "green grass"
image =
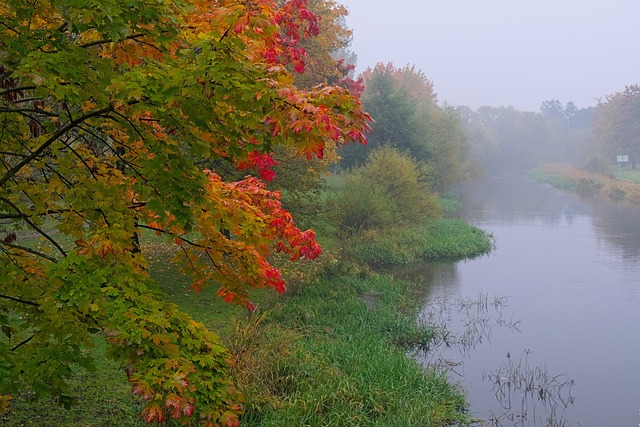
column 437, row 239
column 631, row 175
column 204, row 306
column 566, row 177
column 335, row 182
column 103, row 398
column 334, row 353
column 449, row 205
column 348, row 365
column 561, row 181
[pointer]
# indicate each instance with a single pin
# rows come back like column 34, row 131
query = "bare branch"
column 21, row 301
column 31, row 251
column 26, row 341
column 16, row 89
column 106, row 41
column 33, row 225
column 23, row 111
column 53, row 138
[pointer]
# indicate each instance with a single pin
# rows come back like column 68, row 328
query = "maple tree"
column 110, row 112
column 301, row 181
column 326, row 62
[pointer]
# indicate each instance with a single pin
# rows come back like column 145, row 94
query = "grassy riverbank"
column 331, row 352
column 335, row 355
column 440, row 239
column 618, row 186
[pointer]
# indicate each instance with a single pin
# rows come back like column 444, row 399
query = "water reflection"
column 570, row 268
column 529, row 395
column 526, row 394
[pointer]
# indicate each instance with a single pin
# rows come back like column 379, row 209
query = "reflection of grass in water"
column 519, row 387
column 528, row 395
column 478, row 318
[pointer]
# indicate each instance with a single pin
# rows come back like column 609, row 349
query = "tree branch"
column 26, row 341
column 23, row 111
column 16, row 89
column 163, row 231
column 105, row 41
column 31, row 251
column 21, row 301
column 53, row 138
column 33, row 225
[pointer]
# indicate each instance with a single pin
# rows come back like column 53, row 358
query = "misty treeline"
column 504, row 138
column 616, row 127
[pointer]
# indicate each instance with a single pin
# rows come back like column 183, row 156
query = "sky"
column 504, row 52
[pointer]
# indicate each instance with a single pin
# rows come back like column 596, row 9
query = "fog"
column 504, row 52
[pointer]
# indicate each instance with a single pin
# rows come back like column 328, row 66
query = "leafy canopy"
column 109, row 111
column 404, row 106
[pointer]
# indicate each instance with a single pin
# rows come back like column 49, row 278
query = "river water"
column 545, row 330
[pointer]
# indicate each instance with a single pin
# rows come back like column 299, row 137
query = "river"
column 545, row 330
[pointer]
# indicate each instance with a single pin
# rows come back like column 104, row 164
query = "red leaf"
column 153, row 414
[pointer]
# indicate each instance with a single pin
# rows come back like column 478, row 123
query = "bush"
column 389, row 190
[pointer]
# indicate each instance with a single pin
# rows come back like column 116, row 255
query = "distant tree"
column 570, row 112
column 616, row 124
column 448, row 146
column 552, row 109
column 395, row 114
column 407, row 116
column 503, row 138
column 327, row 61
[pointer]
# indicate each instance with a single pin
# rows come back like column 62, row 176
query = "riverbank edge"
column 570, row 178
column 354, row 330
column 336, row 350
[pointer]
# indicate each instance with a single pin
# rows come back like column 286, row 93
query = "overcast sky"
column 504, row 52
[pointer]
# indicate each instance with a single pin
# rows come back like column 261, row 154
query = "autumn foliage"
column 110, row 114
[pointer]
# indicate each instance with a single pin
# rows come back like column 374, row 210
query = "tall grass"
column 345, row 361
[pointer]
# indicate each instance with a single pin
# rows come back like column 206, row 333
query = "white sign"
column 623, row 159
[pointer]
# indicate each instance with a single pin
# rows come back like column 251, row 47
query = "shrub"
column 390, row 189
